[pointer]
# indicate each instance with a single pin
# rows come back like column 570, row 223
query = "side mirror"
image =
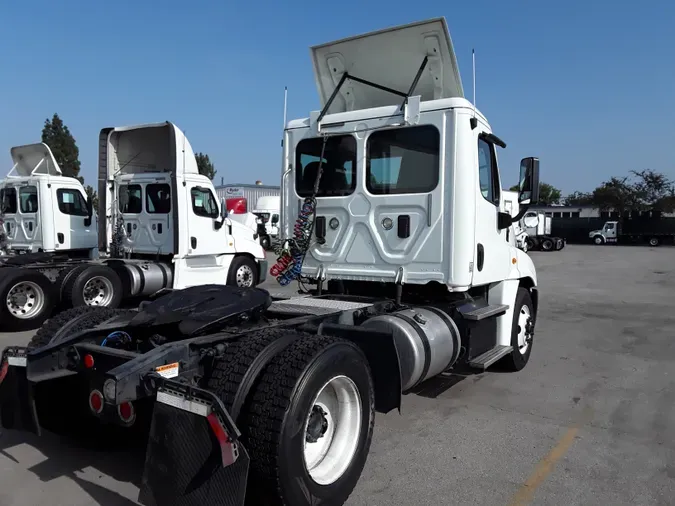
column 528, row 190
column 275, row 219
column 223, row 209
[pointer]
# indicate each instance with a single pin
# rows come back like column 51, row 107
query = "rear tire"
column 92, row 285
column 522, row 331
column 27, row 298
column 547, row 244
column 317, row 391
column 653, row 241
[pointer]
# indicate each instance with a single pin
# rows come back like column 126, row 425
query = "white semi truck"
column 391, row 207
column 159, row 227
column 533, row 228
column 267, row 210
column 43, row 211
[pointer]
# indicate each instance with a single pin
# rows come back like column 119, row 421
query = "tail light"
column 96, row 401
column 3, row 370
column 127, row 413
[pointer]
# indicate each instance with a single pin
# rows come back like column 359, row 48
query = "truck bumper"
column 262, row 271
column 191, row 459
column 17, row 402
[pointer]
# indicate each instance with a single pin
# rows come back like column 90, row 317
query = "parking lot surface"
column 590, row 420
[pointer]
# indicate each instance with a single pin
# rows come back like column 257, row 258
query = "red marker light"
column 88, row 361
column 126, row 412
column 3, row 370
column 96, row 401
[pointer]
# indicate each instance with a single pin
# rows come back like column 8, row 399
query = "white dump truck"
column 391, row 208
column 160, row 226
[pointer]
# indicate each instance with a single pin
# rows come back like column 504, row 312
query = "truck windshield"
column 338, row 167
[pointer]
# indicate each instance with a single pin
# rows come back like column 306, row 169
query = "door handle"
column 480, row 257
column 30, row 226
column 193, row 242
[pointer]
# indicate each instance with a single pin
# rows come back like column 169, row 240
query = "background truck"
column 650, row 228
column 253, row 401
column 160, row 226
column 43, row 211
column 267, row 209
column 537, row 226
column 533, row 229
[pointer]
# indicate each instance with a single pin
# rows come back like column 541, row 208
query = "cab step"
column 488, row 358
column 481, row 313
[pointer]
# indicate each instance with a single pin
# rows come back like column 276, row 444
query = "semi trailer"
column 391, row 214
column 652, row 229
column 159, row 226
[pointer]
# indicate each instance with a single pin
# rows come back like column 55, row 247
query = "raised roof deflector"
column 390, row 58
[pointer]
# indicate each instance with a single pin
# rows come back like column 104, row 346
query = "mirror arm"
column 521, row 213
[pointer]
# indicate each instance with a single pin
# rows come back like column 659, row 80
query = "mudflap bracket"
column 17, row 402
column 194, row 456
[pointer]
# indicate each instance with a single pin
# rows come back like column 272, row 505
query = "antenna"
column 285, row 109
column 474, row 121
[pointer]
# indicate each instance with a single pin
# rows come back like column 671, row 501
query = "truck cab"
column 157, row 206
column 267, row 210
column 42, row 210
column 607, row 234
column 398, row 177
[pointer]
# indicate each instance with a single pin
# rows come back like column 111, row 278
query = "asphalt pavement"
column 590, row 420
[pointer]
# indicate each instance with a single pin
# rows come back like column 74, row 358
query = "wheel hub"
column 318, row 424
column 25, row 300
column 244, row 276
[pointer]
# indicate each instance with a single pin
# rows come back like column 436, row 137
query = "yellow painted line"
column 544, row 467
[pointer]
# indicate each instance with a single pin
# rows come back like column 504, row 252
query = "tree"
column 649, row 191
column 205, row 166
column 579, row 199
column 91, row 194
column 56, row 135
column 548, row 194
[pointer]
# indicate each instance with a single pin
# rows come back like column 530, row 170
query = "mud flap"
column 17, row 403
column 191, row 460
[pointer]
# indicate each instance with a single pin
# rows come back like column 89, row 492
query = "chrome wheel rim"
column 332, row 430
column 98, row 291
column 524, row 329
column 25, row 300
column 244, row 276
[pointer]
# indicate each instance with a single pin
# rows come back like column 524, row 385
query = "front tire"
column 522, row 331
column 243, row 272
column 598, row 240
column 318, row 391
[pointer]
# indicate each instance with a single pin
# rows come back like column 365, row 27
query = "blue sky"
column 589, row 87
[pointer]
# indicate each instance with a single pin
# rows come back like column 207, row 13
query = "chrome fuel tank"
column 426, row 338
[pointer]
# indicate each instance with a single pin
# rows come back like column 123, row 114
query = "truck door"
column 69, row 221
column 492, row 256
column 9, row 209
column 206, row 261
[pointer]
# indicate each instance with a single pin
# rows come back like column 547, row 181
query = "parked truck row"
column 253, row 401
column 159, row 226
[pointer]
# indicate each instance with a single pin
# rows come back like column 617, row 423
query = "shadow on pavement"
column 65, row 459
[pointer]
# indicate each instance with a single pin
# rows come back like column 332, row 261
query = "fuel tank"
column 143, row 278
column 427, row 341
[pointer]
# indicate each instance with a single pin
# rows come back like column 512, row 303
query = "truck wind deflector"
column 346, row 76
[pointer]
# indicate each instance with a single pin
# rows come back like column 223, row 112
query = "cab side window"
column 203, row 202
column 28, row 199
column 487, row 172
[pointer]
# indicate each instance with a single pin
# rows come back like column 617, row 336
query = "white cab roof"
column 391, row 58
column 33, row 159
